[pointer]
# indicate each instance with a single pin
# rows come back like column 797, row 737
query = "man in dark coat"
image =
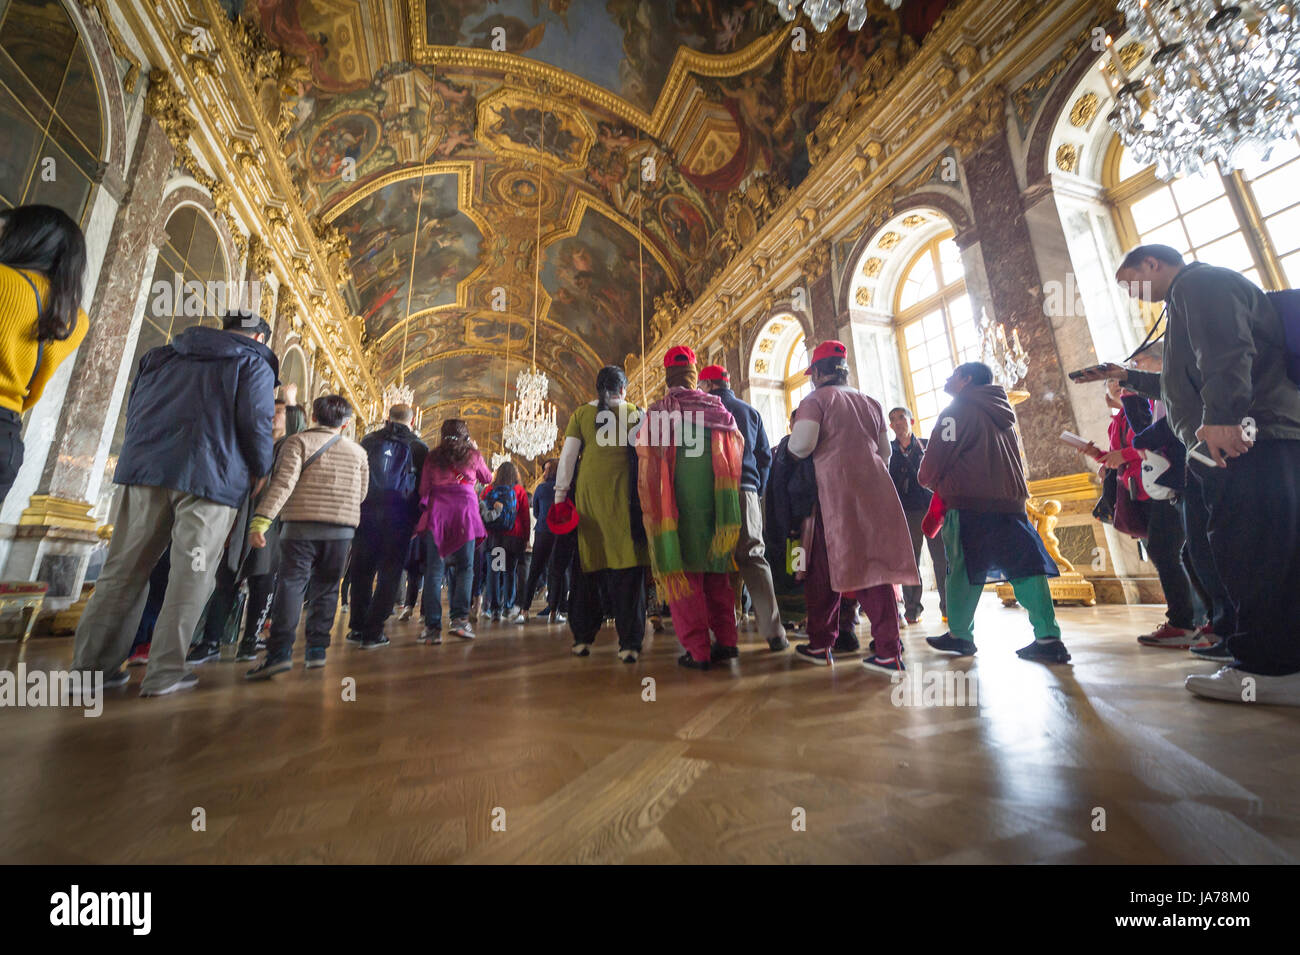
column 198, row 438
column 1231, row 402
column 904, row 463
column 751, row 561
column 388, row 518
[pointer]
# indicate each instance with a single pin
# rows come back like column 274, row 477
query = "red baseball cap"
column 827, row 349
column 679, row 355
column 714, row 373
column 562, row 517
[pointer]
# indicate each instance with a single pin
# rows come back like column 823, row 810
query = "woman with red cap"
column 611, row 560
column 856, row 542
column 691, row 455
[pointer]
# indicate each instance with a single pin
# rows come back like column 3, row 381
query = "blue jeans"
column 499, row 588
column 458, row 567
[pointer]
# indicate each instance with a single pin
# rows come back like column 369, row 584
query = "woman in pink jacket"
column 450, row 519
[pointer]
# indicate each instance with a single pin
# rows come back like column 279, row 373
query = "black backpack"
column 393, row 477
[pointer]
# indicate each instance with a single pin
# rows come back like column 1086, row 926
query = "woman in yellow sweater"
column 42, row 267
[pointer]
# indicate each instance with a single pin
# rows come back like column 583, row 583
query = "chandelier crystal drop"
column 1009, row 361
column 529, row 428
column 822, row 13
column 1222, row 85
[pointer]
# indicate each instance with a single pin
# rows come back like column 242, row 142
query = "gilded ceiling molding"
column 118, row 45
column 685, row 63
column 544, row 102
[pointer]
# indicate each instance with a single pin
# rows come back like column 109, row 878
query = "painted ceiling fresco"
column 384, row 236
column 624, row 46
column 387, row 91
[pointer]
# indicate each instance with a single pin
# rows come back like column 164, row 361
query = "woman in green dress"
column 612, row 555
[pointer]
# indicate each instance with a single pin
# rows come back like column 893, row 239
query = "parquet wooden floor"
column 441, row 742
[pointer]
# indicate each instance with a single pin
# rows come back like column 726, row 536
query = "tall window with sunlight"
column 1209, row 218
column 797, row 384
column 936, row 328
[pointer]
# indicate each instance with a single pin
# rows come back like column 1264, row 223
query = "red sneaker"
column 1168, row 636
column 140, row 657
column 1204, row 638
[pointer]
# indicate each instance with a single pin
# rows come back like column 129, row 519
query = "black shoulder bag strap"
column 40, row 343
column 318, row 452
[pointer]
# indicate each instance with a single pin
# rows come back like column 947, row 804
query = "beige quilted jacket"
column 329, row 492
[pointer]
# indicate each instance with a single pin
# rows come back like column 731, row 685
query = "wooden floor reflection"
column 511, row 750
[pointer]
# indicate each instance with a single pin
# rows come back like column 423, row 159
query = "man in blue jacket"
column 750, row 551
column 198, row 438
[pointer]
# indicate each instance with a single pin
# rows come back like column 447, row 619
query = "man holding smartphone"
column 1225, row 385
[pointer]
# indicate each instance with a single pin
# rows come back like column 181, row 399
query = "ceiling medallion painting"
column 345, row 143
column 522, row 124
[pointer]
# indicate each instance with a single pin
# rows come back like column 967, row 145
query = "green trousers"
column 963, row 596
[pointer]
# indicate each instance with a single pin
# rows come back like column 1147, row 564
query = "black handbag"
column 1104, row 509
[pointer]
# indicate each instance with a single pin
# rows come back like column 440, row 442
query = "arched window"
column 797, row 384
column 776, row 373
column 936, row 330
column 1248, row 220
column 49, row 110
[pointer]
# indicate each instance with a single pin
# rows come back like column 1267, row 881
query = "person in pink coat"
column 452, row 524
column 856, row 543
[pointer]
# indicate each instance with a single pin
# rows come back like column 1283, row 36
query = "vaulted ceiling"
column 432, row 132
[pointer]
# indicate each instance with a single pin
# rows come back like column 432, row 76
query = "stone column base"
column 52, row 543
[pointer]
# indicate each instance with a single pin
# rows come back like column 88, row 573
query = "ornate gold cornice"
column 168, row 107
column 259, row 257
column 984, row 118
column 251, row 76
column 817, row 262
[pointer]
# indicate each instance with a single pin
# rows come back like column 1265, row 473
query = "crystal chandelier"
column 1010, row 362
column 528, row 425
column 1222, row 86
column 530, row 421
column 822, row 13
column 400, row 395
column 498, row 459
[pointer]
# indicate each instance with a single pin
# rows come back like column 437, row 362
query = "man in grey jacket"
column 1226, row 389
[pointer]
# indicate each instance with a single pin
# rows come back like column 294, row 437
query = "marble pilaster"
column 1014, row 294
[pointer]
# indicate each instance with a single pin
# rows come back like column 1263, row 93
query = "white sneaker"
column 1237, row 686
column 627, row 656
column 519, row 617
column 558, row 618
column 405, row 614
column 187, row 682
column 462, row 629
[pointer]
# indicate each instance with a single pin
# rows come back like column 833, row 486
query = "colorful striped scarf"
column 655, row 482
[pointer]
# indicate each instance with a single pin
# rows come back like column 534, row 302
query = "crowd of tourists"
column 242, row 516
